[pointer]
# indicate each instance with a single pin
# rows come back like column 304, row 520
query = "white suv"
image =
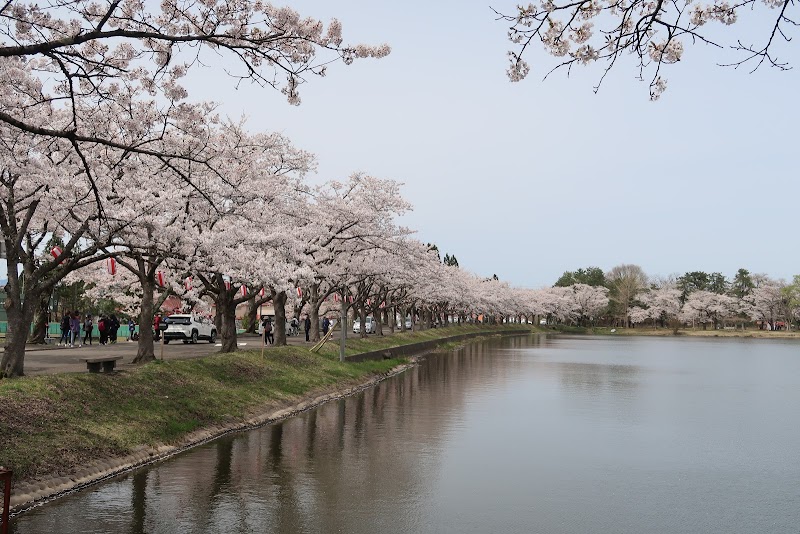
column 369, row 327
column 189, row 329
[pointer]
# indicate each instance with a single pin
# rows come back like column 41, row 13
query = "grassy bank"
column 372, row 343
column 50, row 424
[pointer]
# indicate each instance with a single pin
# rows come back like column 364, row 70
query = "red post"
column 5, row 476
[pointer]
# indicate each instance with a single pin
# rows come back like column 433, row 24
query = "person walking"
column 307, row 326
column 269, row 337
column 113, row 327
column 65, row 330
column 88, row 325
column 326, row 325
column 157, row 327
column 102, row 327
column 131, row 329
column 75, row 329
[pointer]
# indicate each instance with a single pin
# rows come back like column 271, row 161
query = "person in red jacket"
column 156, row 324
column 102, row 327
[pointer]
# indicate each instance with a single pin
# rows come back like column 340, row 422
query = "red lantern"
column 227, row 285
column 160, row 278
column 56, row 252
column 188, row 283
column 299, row 293
column 111, row 266
column 261, row 293
column 244, row 291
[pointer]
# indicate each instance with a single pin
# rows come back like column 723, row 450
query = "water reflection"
column 138, row 501
column 523, row 434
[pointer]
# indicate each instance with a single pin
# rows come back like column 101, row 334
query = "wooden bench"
column 106, row 363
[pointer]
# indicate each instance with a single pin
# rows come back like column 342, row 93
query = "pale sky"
column 532, row 179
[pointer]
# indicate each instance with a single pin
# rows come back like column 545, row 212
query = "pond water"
column 551, row 434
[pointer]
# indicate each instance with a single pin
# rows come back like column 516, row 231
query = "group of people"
column 71, row 326
column 269, row 336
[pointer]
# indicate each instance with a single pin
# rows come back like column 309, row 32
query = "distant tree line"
column 695, row 298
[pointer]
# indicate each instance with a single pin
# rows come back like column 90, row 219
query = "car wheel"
column 166, row 341
column 185, row 341
column 194, row 337
column 213, row 337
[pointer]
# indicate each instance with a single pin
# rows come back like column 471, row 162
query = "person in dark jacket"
column 65, row 330
column 269, row 336
column 112, row 328
column 307, row 326
column 326, row 324
column 88, row 325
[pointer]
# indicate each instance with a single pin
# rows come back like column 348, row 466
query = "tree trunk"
column 362, row 314
column 314, row 305
column 252, row 316
column 226, row 311
column 279, row 303
column 145, row 351
column 41, row 319
column 379, row 317
column 19, row 319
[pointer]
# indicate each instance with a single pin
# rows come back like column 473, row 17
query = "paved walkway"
column 48, row 359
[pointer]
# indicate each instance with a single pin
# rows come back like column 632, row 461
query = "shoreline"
column 31, row 493
column 26, row 496
column 667, row 332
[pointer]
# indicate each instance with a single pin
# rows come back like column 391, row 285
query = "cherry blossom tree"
column 92, row 54
column 344, row 224
column 589, row 301
column 249, row 244
column 47, row 197
column 86, row 85
column 655, row 33
column 766, row 302
column 707, row 307
column 663, row 303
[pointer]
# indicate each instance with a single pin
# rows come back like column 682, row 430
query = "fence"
column 54, row 330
